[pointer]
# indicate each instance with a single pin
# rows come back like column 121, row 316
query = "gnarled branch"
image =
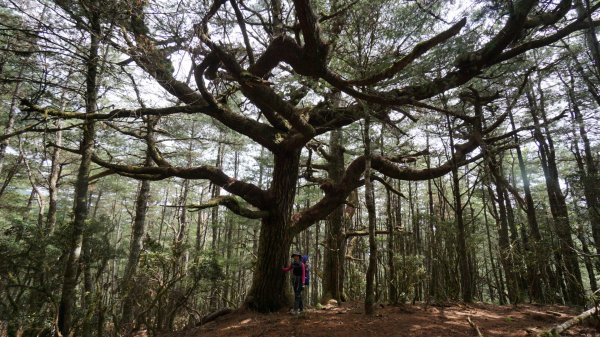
column 336, row 194
column 247, row 191
column 419, row 49
column 234, row 204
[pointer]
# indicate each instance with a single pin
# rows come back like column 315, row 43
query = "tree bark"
column 461, row 233
column 215, row 226
column 391, row 279
column 534, row 257
column 135, row 248
column 267, row 293
column 434, row 265
column 370, row 204
column 590, row 35
column 574, row 289
column 588, row 169
column 80, row 210
column 333, row 272
column 504, row 242
column 55, row 169
column 497, row 279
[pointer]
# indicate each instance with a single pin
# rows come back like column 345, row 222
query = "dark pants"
column 297, row 284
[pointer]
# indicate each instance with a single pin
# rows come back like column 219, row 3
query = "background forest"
column 159, row 160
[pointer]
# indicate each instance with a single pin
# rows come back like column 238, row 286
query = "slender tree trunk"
column 135, row 248
column 495, row 271
column 433, row 242
column 55, row 170
column 316, row 262
column 504, row 242
column 88, row 288
column 572, row 274
column 201, row 228
column 461, row 234
column 215, row 226
column 229, row 242
column 534, row 257
column 370, row 204
column 333, row 272
column 391, row 279
column 67, row 300
column 587, row 260
column 588, row 170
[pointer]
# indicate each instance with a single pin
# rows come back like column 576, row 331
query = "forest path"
column 397, row 321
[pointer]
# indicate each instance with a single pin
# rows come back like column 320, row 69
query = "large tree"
column 267, row 71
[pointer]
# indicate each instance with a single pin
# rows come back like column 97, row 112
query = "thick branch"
column 259, row 91
column 419, row 49
column 117, row 113
column 335, row 195
column 249, row 192
column 579, row 24
column 234, row 205
column 549, row 18
column 309, row 24
column 157, row 65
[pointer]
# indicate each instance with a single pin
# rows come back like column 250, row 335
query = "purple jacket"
column 288, row 268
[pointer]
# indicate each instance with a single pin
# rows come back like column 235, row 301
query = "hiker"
column 298, row 278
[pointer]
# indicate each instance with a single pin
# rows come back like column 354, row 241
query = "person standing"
column 298, row 275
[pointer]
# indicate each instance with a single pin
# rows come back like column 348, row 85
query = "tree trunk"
column 587, row 259
column 267, row 293
column 333, row 272
column 391, row 279
column 588, row 170
column 316, row 262
column 506, row 250
column 461, row 233
column 370, row 204
column 67, row 301
column 590, row 35
column 135, row 249
column 87, row 303
column 214, row 224
column 10, row 122
column 229, row 243
column 53, row 183
column 534, row 257
column 574, row 289
column 496, row 271
column 490, row 253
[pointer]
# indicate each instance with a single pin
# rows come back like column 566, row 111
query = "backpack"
column 306, row 270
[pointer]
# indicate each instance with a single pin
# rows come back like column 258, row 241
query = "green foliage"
column 411, row 271
column 209, row 267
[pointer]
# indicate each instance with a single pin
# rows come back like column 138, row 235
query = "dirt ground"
column 409, row 320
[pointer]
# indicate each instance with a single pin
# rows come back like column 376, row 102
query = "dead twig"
column 474, row 326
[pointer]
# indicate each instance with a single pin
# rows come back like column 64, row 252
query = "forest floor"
column 397, row 321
